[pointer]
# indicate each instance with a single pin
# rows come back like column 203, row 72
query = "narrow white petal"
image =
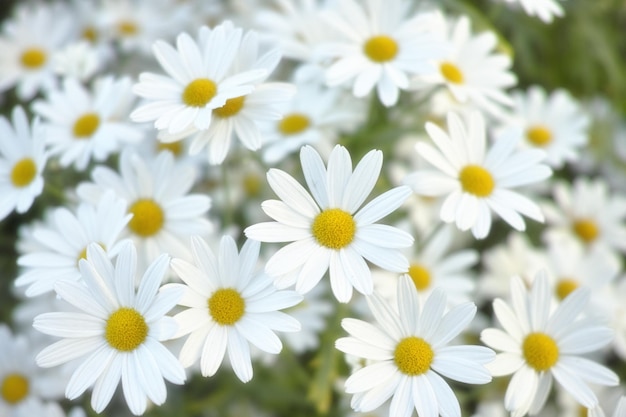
column 239, row 355
column 500, row 340
column 505, row 364
column 448, row 403
column 370, row 376
column 574, row 385
column 402, row 403
column 292, row 193
column 424, row 397
column 589, row 370
column 213, row 350
column 453, row 323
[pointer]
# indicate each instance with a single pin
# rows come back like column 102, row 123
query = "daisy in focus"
column 409, row 353
column 477, row 180
column 117, row 329
column 381, row 45
column 229, row 304
column 546, row 10
column 328, row 229
column 199, row 80
column 22, row 162
column 540, row 343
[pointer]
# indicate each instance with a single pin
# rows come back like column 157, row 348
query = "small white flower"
column 545, row 10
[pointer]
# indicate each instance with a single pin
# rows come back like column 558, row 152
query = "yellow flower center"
column 252, row 185
column 381, row 48
column 420, row 276
column 564, row 287
column 176, row 148
column 127, row 28
column 476, row 180
column 23, row 172
column 33, row 58
column 15, row 388
column 231, row 107
column 451, row 72
column 83, row 253
column 148, row 217
column 90, row 34
column 334, row 228
column 540, row 351
column 293, row 123
column 539, row 135
column 86, row 125
column 586, row 229
column 226, row 306
column 126, row 329
column 199, row 92
column 413, row 356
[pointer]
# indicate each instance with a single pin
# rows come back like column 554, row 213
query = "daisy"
column 118, row 329
column 540, row 343
column 63, row 242
column 82, row 124
column 27, row 41
column 328, row 230
column 555, row 123
column 199, row 80
column 471, row 70
column 164, row 213
column 229, row 305
column 381, row 44
column 22, row 162
column 620, row 409
column 545, row 10
column 478, row 180
column 408, row 352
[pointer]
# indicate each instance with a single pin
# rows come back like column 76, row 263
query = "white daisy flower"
column 199, row 80
column 78, row 60
column 408, row 352
column 588, row 212
column 477, row 180
column 82, row 125
column 545, row 10
column 471, row 70
column 229, row 305
column 118, row 329
column 22, row 162
column 383, row 44
column 328, row 230
column 540, row 343
column 619, row 411
column 27, row 41
column 64, row 240
column 555, row 123
column 164, row 213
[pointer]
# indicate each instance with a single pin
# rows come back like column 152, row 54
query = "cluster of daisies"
column 200, row 185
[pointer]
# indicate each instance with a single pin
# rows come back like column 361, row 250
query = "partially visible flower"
column 545, row 10
column 77, row 60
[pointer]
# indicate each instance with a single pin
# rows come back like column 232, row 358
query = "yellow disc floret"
column 413, row 356
column 126, row 329
column 334, row 228
column 476, row 180
column 420, row 276
column 199, row 92
column 451, row 73
column 540, row 351
column 15, row 388
column 586, row 229
column 226, row 306
column 33, row 58
column 86, row 125
column 380, row 48
column 176, row 148
column 148, row 217
column 23, row 172
column 127, row 28
column 539, row 135
column 231, row 107
column 564, row 287
column 293, row 123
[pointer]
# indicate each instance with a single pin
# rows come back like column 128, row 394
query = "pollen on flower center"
column 86, row 125
column 126, row 329
column 476, row 180
column 23, row 172
column 148, row 217
column 199, row 92
column 564, row 287
column 334, row 228
column 15, row 388
column 33, row 58
column 231, row 107
column 293, row 123
column 420, row 276
column 381, row 48
column 413, row 356
column 586, row 230
column 539, row 135
column 451, row 72
column 226, row 306
column 540, row 351
column 176, row 148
